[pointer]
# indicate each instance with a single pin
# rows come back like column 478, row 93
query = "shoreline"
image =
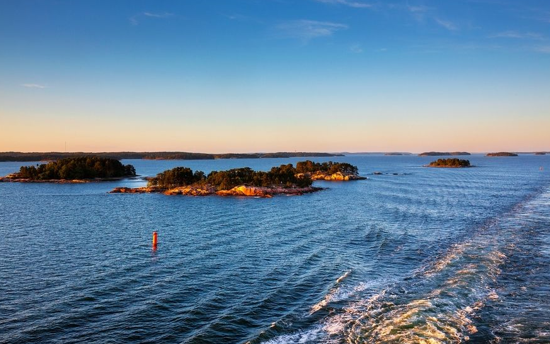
column 448, row 166
column 208, row 190
column 8, row 179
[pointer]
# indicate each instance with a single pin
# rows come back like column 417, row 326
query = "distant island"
column 450, row 163
column 443, row 153
column 540, row 153
column 501, row 154
column 285, row 179
column 18, row 156
column 396, row 153
column 73, row 170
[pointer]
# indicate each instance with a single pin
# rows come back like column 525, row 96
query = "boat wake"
column 439, row 303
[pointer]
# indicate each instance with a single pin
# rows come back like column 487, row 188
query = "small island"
column 73, row 170
column 285, row 179
column 450, row 163
column 501, row 154
column 443, row 153
column 540, row 153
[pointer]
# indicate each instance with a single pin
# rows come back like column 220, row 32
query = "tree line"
column 284, row 176
column 450, row 163
column 77, row 168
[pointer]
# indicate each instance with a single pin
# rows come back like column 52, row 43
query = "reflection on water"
column 425, row 256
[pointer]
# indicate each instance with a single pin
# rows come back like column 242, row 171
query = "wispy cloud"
column 134, row 20
column 356, row 48
column 33, row 86
column 418, row 12
column 543, row 49
column 418, row 8
column 446, row 24
column 242, row 18
column 355, row 4
column 309, row 29
column 158, row 15
column 518, row 35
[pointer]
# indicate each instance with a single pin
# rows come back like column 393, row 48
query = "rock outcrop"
column 338, row 176
column 206, row 190
column 191, row 191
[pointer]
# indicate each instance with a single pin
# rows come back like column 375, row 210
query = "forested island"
column 285, row 179
column 18, row 156
column 73, row 170
column 450, row 163
column 501, row 154
column 443, row 153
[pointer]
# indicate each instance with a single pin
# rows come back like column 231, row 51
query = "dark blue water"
column 427, row 255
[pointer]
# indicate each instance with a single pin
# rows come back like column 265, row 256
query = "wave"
column 439, row 303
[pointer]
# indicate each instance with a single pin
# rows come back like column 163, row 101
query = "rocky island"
column 285, row 179
column 450, row 163
column 73, row 170
column 443, row 153
column 501, row 154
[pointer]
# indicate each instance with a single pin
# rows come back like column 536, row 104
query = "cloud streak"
column 446, row 24
column 354, row 4
column 356, row 48
column 309, row 29
column 545, row 49
column 158, row 15
column 518, row 35
column 134, row 20
column 33, row 86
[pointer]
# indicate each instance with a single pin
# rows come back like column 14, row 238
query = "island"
column 73, row 170
column 501, row 154
column 450, row 163
column 540, row 153
column 285, row 179
column 396, row 153
column 443, row 153
column 47, row 156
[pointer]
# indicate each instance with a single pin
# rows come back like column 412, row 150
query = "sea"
column 410, row 255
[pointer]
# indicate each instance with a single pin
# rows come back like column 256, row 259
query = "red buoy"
column 155, row 240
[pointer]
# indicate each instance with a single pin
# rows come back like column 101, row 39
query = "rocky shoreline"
column 335, row 177
column 207, row 190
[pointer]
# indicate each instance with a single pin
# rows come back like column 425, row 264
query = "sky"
column 274, row 75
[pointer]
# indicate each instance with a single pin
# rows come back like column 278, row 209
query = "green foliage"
column 282, row 176
column 450, row 163
column 502, row 154
column 78, row 168
column 179, row 176
column 327, row 167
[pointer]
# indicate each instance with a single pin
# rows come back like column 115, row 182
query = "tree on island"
column 454, row 163
column 286, row 176
column 91, row 167
column 501, row 154
column 179, row 176
column 327, row 167
column 283, row 176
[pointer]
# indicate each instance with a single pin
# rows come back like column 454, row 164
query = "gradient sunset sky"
column 275, row 75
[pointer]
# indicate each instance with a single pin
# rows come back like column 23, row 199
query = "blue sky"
column 271, row 75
